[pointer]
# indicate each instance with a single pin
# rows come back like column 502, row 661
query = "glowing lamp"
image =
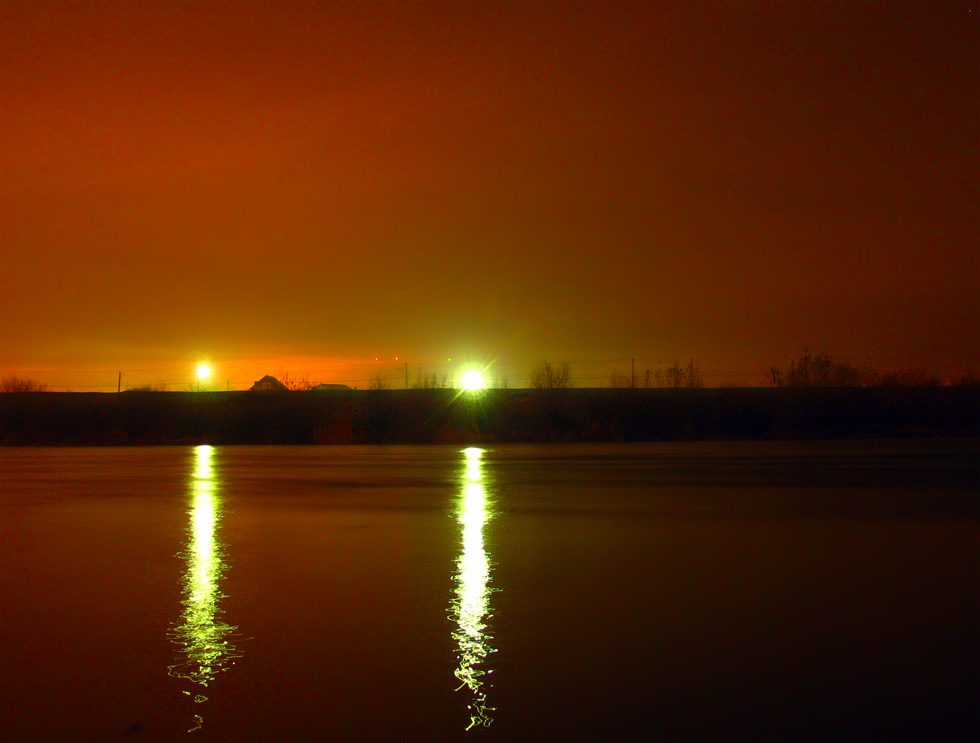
column 472, row 380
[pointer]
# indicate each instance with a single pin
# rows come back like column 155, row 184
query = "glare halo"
column 473, row 380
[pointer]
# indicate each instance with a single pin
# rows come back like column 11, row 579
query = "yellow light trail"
column 471, row 605
column 202, row 635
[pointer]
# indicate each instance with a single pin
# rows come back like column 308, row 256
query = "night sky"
column 306, row 186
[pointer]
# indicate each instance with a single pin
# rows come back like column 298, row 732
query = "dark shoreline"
column 494, row 416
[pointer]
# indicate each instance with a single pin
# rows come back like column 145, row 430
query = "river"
column 692, row 591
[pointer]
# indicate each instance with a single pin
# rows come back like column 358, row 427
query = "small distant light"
column 396, row 358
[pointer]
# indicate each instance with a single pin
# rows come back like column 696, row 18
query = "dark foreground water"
column 752, row 591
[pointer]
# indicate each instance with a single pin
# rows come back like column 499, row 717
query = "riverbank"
column 448, row 416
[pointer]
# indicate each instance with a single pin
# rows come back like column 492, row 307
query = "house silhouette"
column 268, row 384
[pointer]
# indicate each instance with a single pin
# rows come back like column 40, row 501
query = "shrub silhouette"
column 16, row 384
column 622, row 380
column 299, row 383
column 678, row 377
column 823, row 370
column 430, row 381
column 379, row 381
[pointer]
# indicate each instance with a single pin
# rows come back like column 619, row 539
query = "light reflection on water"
column 202, row 635
column 803, row 589
column 471, row 604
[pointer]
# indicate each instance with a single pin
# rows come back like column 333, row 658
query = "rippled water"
column 754, row 591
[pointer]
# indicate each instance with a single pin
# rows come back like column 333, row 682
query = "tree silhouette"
column 823, row 371
column 547, row 376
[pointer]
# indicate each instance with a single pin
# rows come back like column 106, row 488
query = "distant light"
column 472, row 380
column 203, row 371
column 396, row 358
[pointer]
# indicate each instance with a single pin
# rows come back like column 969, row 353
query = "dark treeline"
column 810, row 370
column 823, row 370
column 503, row 415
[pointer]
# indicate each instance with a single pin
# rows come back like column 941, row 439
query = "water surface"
column 754, row 591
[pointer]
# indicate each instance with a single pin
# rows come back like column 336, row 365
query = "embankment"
column 447, row 416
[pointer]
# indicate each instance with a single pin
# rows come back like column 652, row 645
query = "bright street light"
column 203, row 372
column 473, row 380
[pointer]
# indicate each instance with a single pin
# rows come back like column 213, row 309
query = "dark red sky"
column 299, row 185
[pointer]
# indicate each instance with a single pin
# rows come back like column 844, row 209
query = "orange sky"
column 310, row 185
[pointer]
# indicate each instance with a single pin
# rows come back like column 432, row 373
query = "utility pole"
column 406, row 375
column 632, row 373
column 227, row 385
column 119, row 383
